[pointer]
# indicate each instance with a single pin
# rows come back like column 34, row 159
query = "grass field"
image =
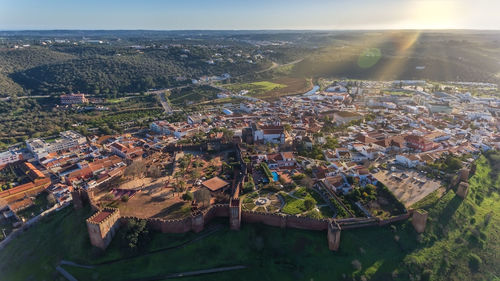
column 117, row 100
column 456, row 229
column 255, row 88
column 272, row 89
column 459, row 228
column 296, row 204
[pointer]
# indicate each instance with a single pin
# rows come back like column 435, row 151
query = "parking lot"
column 409, row 186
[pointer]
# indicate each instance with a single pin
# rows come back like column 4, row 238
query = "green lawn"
column 459, row 228
column 295, row 205
column 456, row 228
column 117, row 100
column 255, row 88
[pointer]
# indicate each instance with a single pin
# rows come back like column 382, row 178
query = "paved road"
column 164, row 102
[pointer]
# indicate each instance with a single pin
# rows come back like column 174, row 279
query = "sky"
column 249, row 14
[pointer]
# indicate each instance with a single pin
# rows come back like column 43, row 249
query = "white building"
column 10, row 156
column 68, row 140
column 408, row 160
column 269, row 134
column 161, row 127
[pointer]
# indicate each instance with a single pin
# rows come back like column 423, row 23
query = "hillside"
column 461, row 242
column 103, row 72
column 396, row 55
column 21, row 59
column 116, row 67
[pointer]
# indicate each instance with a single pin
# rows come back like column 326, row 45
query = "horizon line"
column 270, row 29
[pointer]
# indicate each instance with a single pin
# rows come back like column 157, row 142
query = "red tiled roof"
column 215, row 183
column 101, row 216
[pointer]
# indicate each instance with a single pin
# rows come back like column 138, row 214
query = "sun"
column 432, row 14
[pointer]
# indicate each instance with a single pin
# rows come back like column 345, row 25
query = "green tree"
column 202, row 196
column 136, row 234
column 188, row 196
column 309, row 203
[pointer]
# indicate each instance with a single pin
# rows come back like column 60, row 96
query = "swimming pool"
column 275, row 176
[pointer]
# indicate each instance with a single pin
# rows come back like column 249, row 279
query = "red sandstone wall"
column 219, row 210
column 306, row 223
column 284, row 220
column 185, row 225
column 172, row 226
column 265, row 218
column 395, row 219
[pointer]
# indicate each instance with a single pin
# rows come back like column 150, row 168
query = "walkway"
column 191, row 273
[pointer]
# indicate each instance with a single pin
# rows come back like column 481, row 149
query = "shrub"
column 313, row 214
column 300, row 192
column 266, row 171
column 249, row 186
column 188, row 196
column 298, row 176
column 474, row 262
column 125, row 198
column 340, row 210
column 309, row 203
column 136, row 234
column 426, row 275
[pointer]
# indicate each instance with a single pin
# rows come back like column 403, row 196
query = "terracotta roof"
column 101, row 216
column 215, row 183
column 335, row 181
column 21, row 204
column 365, row 139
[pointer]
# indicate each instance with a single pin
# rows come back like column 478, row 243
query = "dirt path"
column 276, row 65
column 191, row 273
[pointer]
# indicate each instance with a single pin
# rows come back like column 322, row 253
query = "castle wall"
column 306, row 223
column 191, row 223
column 463, row 190
column 264, row 218
column 419, row 220
column 101, row 233
column 394, row 219
column 333, row 236
column 171, row 226
column 279, row 220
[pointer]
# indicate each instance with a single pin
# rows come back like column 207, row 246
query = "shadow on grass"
column 449, row 210
column 169, row 210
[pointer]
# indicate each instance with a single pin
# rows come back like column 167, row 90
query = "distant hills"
column 133, row 61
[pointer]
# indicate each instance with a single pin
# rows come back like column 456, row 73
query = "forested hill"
column 12, row 61
column 130, row 64
column 106, row 70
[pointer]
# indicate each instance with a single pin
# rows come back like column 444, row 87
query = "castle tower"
column 464, row 174
column 419, row 220
column 235, row 213
column 333, row 235
column 197, row 221
column 77, row 199
column 102, row 227
column 463, row 189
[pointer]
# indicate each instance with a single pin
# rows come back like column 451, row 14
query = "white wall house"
column 408, row 160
